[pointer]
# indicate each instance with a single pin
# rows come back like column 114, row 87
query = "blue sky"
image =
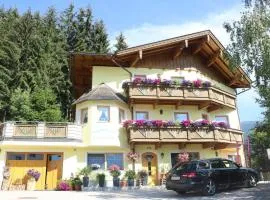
column 144, row 21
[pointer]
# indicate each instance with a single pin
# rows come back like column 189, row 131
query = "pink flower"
column 197, row 83
column 127, row 123
column 186, row 123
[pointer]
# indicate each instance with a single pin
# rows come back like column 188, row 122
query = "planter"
column 116, row 182
column 85, row 181
column 101, row 181
column 31, row 184
column 77, row 187
column 144, row 180
column 123, row 183
column 130, row 182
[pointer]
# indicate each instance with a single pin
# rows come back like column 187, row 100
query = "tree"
column 100, row 38
column 120, row 42
column 250, row 47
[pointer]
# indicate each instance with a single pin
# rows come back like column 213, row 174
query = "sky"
column 144, row 21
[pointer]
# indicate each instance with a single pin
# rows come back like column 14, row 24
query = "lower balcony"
column 217, row 138
column 38, row 131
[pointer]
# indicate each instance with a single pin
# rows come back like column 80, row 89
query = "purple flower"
column 197, row 83
column 157, row 123
column 63, row 186
column 186, row 83
column 148, row 123
column 186, row 123
column 170, row 123
column 137, row 81
column 166, row 82
column 34, row 174
column 139, row 123
column 206, row 84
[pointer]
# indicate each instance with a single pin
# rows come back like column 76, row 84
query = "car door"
column 220, row 173
column 237, row 174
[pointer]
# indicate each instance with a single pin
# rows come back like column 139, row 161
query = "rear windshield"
column 189, row 166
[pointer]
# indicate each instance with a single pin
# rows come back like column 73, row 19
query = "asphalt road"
column 262, row 191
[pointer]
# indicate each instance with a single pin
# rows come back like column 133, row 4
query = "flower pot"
column 77, row 187
column 85, row 181
column 116, row 182
column 101, row 181
column 123, row 183
column 31, row 184
column 130, row 182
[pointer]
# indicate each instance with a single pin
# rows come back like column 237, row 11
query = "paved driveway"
column 262, row 191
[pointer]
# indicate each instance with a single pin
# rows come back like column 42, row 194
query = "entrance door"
column 149, row 163
column 54, row 170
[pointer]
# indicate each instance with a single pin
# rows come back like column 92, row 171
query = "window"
column 215, row 164
column 103, row 113
column 34, row 156
column 16, row 156
column 122, row 116
column 115, row 159
column 177, row 79
column 84, row 116
column 141, row 115
column 180, row 116
column 205, row 116
column 232, row 157
column 53, row 157
column 96, row 159
column 110, row 158
column 143, row 77
column 203, row 165
column 222, row 119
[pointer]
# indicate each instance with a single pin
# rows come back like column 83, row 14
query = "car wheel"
column 210, row 188
column 251, row 181
column 181, row 192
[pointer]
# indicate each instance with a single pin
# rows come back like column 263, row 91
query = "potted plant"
column 130, row 174
column 85, row 173
column 63, row 186
column 115, row 173
column 101, row 179
column 76, row 184
column 123, row 182
column 143, row 176
column 33, row 178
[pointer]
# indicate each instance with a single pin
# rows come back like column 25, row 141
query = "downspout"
column 131, row 108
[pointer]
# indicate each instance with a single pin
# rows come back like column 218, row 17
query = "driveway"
column 262, row 191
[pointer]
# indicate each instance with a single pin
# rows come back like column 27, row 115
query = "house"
column 159, row 88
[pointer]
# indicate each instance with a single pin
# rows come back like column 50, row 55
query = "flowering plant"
column 133, row 156
column 206, row 84
column 33, row 174
column 186, row 123
column 197, row 83
column 186, row 83
column 183, row 157
column 220, row 125
column 63, row 186
column 114, row 170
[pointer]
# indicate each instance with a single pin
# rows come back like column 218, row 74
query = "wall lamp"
column 162, row 155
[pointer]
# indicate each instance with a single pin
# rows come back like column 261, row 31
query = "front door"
column 54, row 170
column 149, row 163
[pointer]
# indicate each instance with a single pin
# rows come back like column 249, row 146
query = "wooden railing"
column 40, row 130
column 181, row 93
column 25, row 130
column 173, row 135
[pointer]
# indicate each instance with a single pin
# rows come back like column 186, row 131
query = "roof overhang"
column 203, row 43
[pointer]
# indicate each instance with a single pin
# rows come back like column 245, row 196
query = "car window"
column 203, row 165
column 188, row 166
column 215, row 164
column 229, row 164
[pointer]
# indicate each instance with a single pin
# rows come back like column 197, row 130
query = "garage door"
column 20, row 163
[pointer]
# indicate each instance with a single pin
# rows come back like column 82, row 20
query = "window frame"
column 147, row 114
column 119, row 115
column 109, row 114
column 186, row 113
column 226, row 116
column 82, row 112
column 105, row 164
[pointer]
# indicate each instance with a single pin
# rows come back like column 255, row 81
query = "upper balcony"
column 37, row 131
column 203, row 95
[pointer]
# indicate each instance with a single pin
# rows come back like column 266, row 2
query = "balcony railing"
column 35, row 130
column 185, row 94
column 175, row 135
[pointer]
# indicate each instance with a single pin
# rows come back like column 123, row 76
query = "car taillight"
column 189, row 174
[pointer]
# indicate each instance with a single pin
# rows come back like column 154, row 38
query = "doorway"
column 149, row 163
column 54, row 170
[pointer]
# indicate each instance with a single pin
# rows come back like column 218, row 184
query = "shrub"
column 63, row 186
column 130, row 174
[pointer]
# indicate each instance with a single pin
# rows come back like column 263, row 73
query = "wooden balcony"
column 210, row 98
column 40, row 131
column 218, row 138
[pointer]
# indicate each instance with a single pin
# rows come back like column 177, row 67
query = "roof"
column 101, row 92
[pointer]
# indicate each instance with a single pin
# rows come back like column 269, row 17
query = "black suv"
column 209, row 175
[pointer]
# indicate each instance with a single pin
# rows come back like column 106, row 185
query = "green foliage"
column 120, row 43
column 250, row 48
column 85, row 171
column 34, row 54
column 130, row 174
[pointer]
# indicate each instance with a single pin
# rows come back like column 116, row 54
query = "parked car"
column 209, row 175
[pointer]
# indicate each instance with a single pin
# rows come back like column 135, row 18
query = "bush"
column 64, row 185
column 130, row 174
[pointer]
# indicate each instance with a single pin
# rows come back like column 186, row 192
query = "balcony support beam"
column 213, row 58
column 208, row 145
column 137, row 58
column 213, row 108
column 179, row 103
column 182, row 145
column 220, row 146
column 203, row 105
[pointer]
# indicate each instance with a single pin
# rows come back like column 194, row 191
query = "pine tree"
column 100, row 38
column 120, row 43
